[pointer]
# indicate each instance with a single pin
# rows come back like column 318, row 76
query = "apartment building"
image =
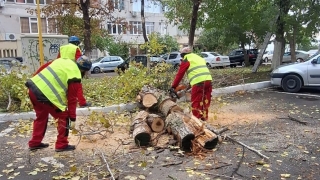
column 15, row 21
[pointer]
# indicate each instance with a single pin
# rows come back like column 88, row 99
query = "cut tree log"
column 155, row 122
column 167, row 106
column 203, row 135
column 180, row 131
column 141, row 131
column 146, row 99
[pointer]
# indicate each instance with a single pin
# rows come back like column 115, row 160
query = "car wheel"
column 300, row 60
column 208, row 65
column 243, row 64
column 266, row 60
column 96, row 70
column 291, row 83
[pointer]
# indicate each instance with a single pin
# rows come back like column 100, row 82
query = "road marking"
column 297, row 94
column 53, row 161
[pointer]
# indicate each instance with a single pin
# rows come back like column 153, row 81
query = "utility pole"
column 40, row 33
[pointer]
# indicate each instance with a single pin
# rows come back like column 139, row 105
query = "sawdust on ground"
column 120, row 139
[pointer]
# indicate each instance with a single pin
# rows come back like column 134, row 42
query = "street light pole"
column 40, row 33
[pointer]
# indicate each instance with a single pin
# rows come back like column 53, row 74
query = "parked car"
column 173, row 58
column 267, row 56
column 312, row 52
column 236, row 57
column 108, row 63
column 214, row 59
column 301, row 56
column 8, row 64
column 291, row 77
column 140, row 59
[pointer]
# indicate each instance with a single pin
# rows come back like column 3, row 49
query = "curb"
column 242, row 87
column 80, row 112
column 131, row 106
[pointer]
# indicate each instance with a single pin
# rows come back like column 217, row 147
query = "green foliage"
column 116, row 48
column 216, row 40
column 170, row 43
column 12, row 88
column 153, row 46
column 124, row 88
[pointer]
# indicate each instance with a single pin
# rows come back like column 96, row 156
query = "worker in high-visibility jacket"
column 200, row 80
column 54, row 91
column 71, row 50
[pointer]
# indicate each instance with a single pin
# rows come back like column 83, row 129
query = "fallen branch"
column 208, row 168
column 246, row 146
column 297, row 120
column 104, row 159
column 172, row 163
column 10, row 101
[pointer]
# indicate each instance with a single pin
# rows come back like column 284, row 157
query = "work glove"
column 72, row 123
column 87, row 104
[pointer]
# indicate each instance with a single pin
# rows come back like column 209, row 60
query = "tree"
column 169, row 43
column 67, row 14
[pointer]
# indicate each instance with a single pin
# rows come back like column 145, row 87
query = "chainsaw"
column 179, row 91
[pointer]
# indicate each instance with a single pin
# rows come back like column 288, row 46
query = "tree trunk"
column 141, row 131
column 181, row 132
column 144, row 32
column 293, row 46
column 193, row 23
column 284, row 6
column 85, row 5
column 155, row 122
column 246, row 55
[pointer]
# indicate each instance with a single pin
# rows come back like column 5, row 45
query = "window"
column 163, row 28
column 173, row 56
column 204, row 55
column 114, row 28
column 136, row 27
column 28, row 1
column 149, row 27
column 30, row 25
column 117, row 4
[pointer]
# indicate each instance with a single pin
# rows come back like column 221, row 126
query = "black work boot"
column 40, row 146
column 68, row 148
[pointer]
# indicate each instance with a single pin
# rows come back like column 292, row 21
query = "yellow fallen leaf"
column 33, row 173
column 76, row 178
column 9, row 165
column 196, row 163
column 266, row 165
column 259, row 168
column 142, row 177
column 131, row 165
column 269, row 170
column 285, row 175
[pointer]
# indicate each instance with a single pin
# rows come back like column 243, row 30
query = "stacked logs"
column 186, row 128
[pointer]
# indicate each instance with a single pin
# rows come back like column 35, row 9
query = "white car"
column 267, row 56
column 312, row 52
column 301, row 56
column 108, row 63
column 291, row 77
column 214, row 59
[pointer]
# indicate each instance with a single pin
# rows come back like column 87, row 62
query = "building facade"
column 15, row 20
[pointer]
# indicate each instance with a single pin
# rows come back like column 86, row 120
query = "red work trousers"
column 201, row 99
column 40, row 123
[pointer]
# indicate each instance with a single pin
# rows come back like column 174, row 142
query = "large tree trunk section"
column 141, row 130
column 181, row 132
column 147, row 99
column 155, row 122
column 204, row 136
column 167, row 106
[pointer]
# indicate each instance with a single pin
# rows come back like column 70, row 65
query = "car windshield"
column 97, row 60
column 215, row 54
column 311, row 57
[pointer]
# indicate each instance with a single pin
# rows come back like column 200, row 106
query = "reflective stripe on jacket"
column 68, row 51
column 53, row 81
column 198, row 70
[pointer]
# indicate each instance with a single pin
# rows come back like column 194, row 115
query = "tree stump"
column 155, row 122
column 141, row 131
column 181, row 132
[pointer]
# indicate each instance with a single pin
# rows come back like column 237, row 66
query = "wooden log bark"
column 155, row 122
column 141, row 131
column 167, row 106
column 203, row 135
column 181, row 132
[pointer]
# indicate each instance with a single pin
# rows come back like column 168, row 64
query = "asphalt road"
column 15, row 156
